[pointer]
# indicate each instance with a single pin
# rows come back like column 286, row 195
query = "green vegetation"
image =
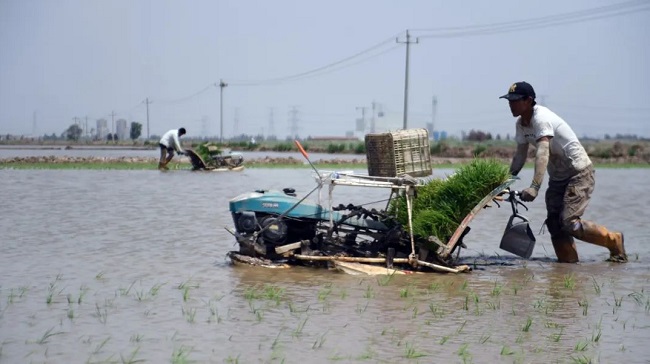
column 443, row 203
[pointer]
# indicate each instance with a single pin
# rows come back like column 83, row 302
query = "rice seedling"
column 506, row 350
column 189, row 314
column 252, row 293
column 301, row 326
column 463, row 285
column 443, row 203
column 433, row 287
column 436, row 310
column 186, row 293
column 412, row 353
column 519, row 339
column 595, row 336
column 515, row 289
column 273, row 293
column 181, row 355
column 414, row 313
column 581, row 359
column 187, row 283
column 584, row 303
column 552, row 325
column 369, row 293
column 597, row 287
column 45, row 338
column 101, row 313
column 496, row 290
column 131, row 358
column 320, row 341
column 581, row 346
column 443, row 339
column 617, row 301
column 464, row 353
column 462, row 326
column 153, row 291
column 52, row 292
column 556, row 337
column 368, row 354
column 494, row 305
column 324, row 292
column 70, row 313
column 11, row 296
column 637, row 297
column 527, row 324
column 231, row 360
column 100, row 346
column 405, row 292
column 214, row 312
column 569, row 281
column 484, row 338
column 385, row 280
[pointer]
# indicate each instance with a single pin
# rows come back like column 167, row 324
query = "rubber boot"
column 565, row 248
column 599, row 235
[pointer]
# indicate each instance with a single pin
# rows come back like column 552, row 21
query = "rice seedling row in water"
column 442, row 204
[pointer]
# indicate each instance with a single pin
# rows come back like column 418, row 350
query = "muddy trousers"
column 166, row 155
column 566, row 202
column 562, row 237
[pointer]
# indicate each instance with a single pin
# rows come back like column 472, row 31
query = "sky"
column 315, row 68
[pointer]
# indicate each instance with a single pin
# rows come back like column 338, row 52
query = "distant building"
column 102, row 129
column 121, row 129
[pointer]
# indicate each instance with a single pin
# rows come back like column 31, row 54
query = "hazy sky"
column 587, row 59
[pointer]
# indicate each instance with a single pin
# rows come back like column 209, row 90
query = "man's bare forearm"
column 519, row 159
column 541, row 162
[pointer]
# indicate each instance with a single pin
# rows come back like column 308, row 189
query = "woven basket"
column 399, row 152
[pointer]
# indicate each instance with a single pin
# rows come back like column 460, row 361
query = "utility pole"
column 147, row 102
column 86, row 129
column 406, row 77
column 113, row 122
column 221, row 87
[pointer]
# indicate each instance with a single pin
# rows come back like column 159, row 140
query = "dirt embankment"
column 442, row 153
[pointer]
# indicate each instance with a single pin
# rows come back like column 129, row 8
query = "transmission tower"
column 293, row 121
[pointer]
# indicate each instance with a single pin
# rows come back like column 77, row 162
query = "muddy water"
column 120, row 266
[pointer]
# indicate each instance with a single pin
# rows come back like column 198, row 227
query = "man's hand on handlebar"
column 528, row 194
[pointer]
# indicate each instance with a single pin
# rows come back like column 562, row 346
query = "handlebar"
column 514, row 199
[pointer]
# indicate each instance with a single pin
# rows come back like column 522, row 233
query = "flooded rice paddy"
column 130, row 266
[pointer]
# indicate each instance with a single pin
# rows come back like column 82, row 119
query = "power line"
column 186, row 98
column 541, row 22
column 319, row 69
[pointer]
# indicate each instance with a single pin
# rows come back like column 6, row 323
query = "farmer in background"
column 168, row 144
column 571, row 176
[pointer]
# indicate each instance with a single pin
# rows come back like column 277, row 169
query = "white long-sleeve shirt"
column 170, row 140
